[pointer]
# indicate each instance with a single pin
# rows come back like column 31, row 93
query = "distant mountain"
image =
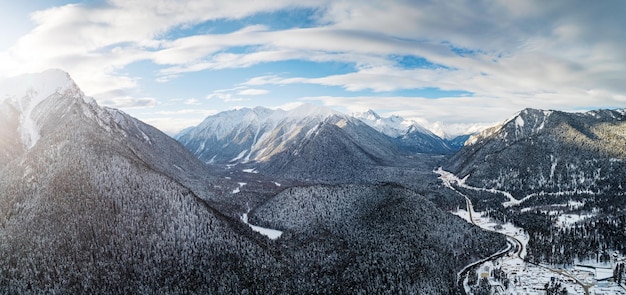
column 307, row 142
column 407, row 134
column 458, row 142
column 548, row 152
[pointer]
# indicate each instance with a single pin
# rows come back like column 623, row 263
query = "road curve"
column 514, row 245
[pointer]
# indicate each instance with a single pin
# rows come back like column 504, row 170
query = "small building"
column 484, row 271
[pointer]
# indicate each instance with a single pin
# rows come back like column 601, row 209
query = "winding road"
column 515, row 246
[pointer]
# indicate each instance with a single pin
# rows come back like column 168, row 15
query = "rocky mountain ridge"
column 308, row 142
column 539, row 151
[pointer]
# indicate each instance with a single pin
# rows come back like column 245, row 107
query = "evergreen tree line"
column 593, row 239
column 373, row 239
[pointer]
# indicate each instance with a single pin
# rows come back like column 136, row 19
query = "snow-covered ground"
column 567, row 220
column 448, row 179
column 527, row 278
column 487, row 223
column 238, row 189
column 268, row 232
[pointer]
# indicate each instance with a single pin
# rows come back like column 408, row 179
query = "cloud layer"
column 502, row 55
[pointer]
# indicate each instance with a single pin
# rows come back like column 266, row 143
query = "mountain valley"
column 93, row 200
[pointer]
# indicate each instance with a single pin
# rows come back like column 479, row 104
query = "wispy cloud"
column 507, row 54
column 192, row 101
column 129, row 102
column 253, row 91
column 202, row 112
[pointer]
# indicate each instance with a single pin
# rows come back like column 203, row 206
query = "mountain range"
column 309, row 142
column 93, row 200
column 408, row 135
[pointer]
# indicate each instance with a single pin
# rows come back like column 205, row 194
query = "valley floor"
column 528, row 278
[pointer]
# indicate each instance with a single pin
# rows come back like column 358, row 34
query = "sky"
column 453, row 66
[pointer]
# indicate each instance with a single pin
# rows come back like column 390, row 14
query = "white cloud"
column 129, row 102
column 93, row 42
column 234, row 94
column 197, row 112
column 376, row 79
column 253, row 91
column 289, row 106
column 515, row 53
column 192, row 101
column 226, row 95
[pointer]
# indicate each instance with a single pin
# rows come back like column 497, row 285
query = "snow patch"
column 238, row 189
column 554, row 160
column 449, row 179
column 342, row 123
column 240, row 156
column 519, row 122
column 567, row 220
column 273, row 234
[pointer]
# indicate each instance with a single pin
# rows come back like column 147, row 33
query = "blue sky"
column 453, row 66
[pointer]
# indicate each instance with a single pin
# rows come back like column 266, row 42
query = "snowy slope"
column 548, row 152
column 291, row 143
column 244, row 135
column 408, row 134
column 103, row 203
column 24, row 93
column 48, row 109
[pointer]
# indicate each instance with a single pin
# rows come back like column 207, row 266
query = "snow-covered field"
column 268, row 232
column 527, row 278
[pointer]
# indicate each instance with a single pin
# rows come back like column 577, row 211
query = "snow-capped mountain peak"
column 25, row 92
column 526, row 122
column 311, row 111
column 408, row 134
column 392, row 126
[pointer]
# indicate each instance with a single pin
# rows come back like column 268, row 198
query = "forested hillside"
column 95, row 201
column 548, row 152
column 566, row 171
column 373, row 239
column 87, row 209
